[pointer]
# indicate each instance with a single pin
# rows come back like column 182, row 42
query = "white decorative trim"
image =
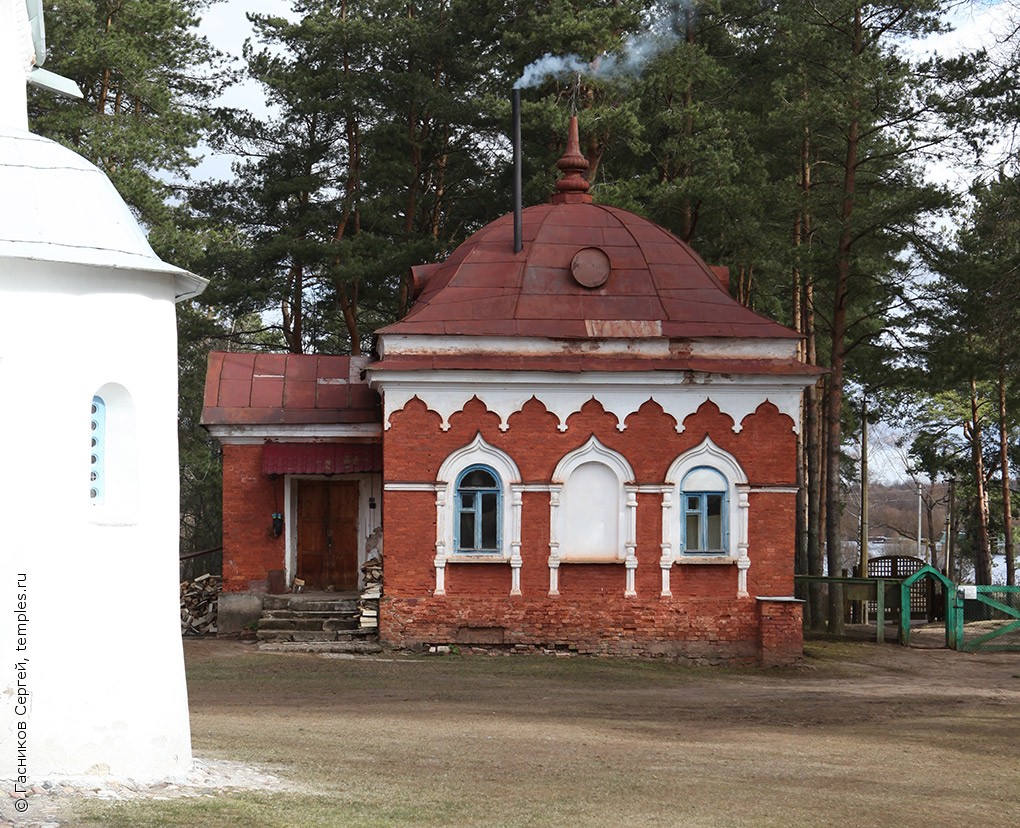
column 653, row 488
column 516, row 492
column 593, row 451
column 708, row 454
column 743, row 561
column 409, row 487
column 621, row 394
column 554, row 542
column 236, row 435
column 774, row 489
column 704, row 560
column 290, row 511
column 441, row 545
column 631, row 561
column 478, row 452
column 666, row 559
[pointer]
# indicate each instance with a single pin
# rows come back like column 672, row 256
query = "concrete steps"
column 314, row 623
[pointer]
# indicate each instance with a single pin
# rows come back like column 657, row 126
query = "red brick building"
column 586, row 444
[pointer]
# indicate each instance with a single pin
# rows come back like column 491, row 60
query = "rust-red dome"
column 585, row 271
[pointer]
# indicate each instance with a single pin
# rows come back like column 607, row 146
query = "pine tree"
column 148, row 80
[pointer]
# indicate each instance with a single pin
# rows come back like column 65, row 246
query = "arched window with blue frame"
column 97, row 469
column 479, row 518
column 705, row 512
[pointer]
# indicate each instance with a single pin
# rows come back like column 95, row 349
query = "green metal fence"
column 977, row 618
column 986, row 618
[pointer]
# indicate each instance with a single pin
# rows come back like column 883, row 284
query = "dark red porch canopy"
column 321, row 458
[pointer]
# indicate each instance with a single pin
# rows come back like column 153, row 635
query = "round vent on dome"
column 590, row 267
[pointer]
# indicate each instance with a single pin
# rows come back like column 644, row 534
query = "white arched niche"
column 114, row 456
column 592, row 512
column 705, row 468
column 479, row 453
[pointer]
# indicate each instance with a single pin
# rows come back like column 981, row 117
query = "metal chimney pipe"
column 515, row 110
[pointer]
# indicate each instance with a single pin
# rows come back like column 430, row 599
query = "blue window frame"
column 478, row 524
column 705, row 513
column 97, row 467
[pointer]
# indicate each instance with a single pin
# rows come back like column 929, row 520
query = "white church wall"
column 106, row 691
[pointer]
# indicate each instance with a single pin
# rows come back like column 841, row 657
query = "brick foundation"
column 710, row 631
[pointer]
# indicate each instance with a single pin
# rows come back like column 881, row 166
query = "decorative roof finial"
column 572, row 188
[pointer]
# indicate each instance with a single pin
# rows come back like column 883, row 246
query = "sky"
column 977, row 24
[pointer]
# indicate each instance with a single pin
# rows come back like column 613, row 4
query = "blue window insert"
column 478, row 525
column 705, row 518
column 97, row 468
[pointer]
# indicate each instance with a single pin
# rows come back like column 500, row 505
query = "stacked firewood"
column 368, row 606
column 199, row 599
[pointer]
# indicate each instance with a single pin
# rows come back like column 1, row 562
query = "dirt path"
column 864, row 734
column 881, row 735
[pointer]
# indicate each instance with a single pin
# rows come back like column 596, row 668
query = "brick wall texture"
column 703, row 621
column 249, row 499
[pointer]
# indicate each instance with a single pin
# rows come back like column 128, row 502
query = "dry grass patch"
column 866, row 734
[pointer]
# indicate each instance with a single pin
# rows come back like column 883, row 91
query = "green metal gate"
column 910, row 587
column 986, row 618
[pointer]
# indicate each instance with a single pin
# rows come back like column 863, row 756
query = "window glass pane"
column 478, row 479
column 714, row 523
column 467, row 530
column 693, row 531
column 467, row 501
column 97, row 470
column 694, row 504
column 489, row 521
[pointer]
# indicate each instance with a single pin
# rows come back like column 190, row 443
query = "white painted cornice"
column 621, row 394
column 390, row 345
column 310, row 433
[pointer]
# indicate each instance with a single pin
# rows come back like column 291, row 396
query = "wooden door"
column 327, row 534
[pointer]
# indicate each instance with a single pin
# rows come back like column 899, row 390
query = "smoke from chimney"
column 637, row 51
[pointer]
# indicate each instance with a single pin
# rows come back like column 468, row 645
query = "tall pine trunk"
column 834, row 396
column 983, row 552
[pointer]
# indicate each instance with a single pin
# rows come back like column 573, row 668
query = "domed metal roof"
column 586, row 271
column 56, row 206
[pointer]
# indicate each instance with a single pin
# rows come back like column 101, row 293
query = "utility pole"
column 951, row 518
column 945, row 543
column 864, row 489
column 919, row 518
column 863, row 571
